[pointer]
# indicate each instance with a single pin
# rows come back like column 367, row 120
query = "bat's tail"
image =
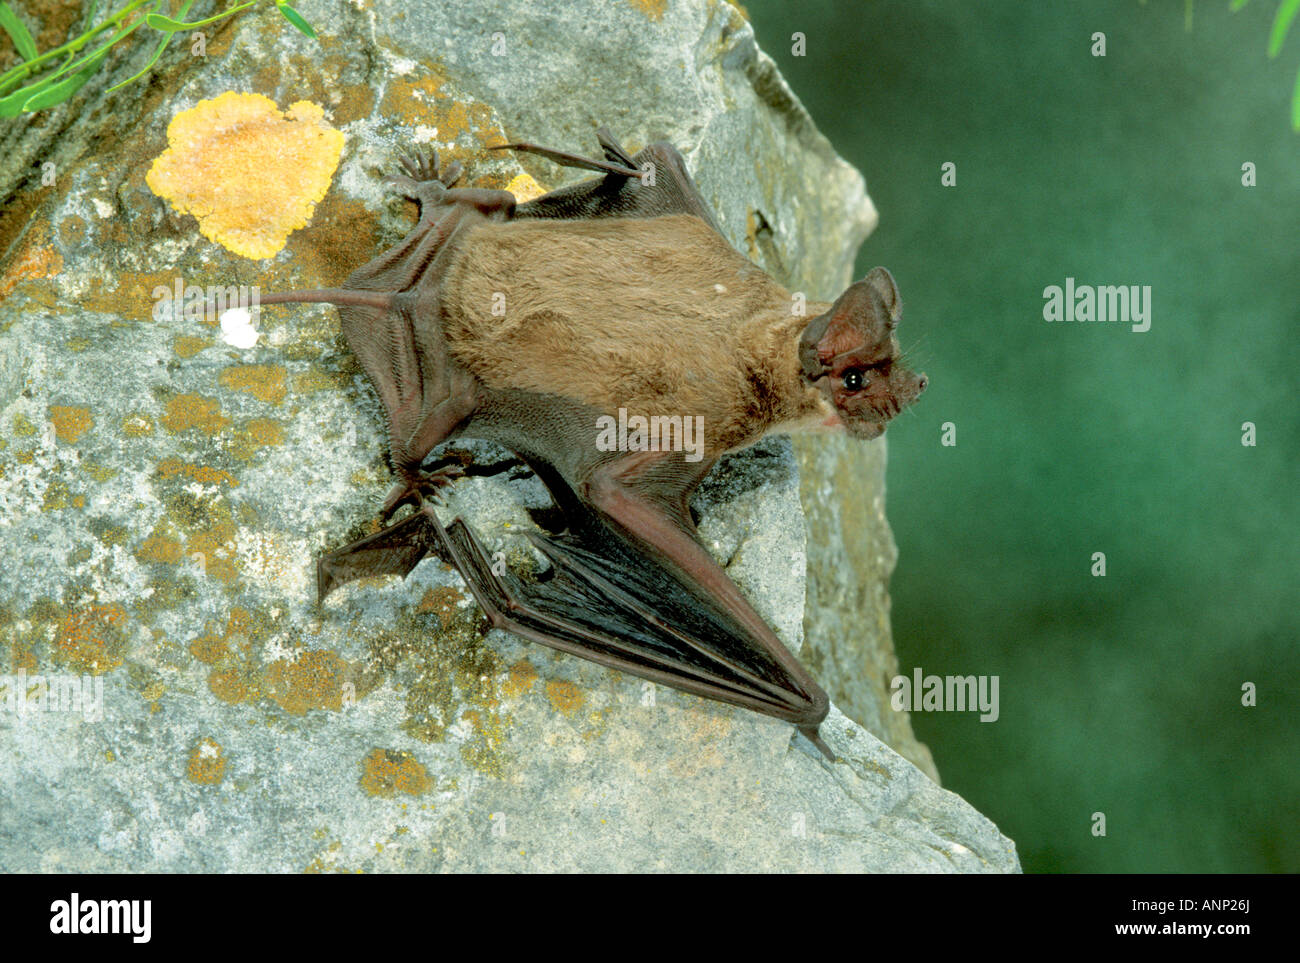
column 216, row 306
column 341, row 296
column 813, row 735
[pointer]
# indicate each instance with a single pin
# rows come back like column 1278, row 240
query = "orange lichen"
column 443, row 602
column 173, row 467
column 207, row 765
column 521, row 677
column 35, row 263
column 265, row 432
column 386, row 772
column 431, row 100
column 209, row 649
column 194, row 411
column 233, row 685
column 159, row 547
column 653, row 9
column 92, row 639
column 251, row 174
column 70, row 423
column 265, row 382
column 314, row 681
column 565, row 696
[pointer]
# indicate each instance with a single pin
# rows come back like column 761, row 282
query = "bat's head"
column 850, row 352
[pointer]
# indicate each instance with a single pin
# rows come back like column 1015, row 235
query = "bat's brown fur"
column 658, row 315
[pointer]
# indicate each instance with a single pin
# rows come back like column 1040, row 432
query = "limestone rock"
column 164, row 491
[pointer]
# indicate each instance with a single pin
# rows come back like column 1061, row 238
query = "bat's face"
column 851, row 354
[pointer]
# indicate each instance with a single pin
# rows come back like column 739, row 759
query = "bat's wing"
column 603, row 600
column 621, row 192
column 395, row 550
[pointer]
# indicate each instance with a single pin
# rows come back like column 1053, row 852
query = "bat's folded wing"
column 603, row 599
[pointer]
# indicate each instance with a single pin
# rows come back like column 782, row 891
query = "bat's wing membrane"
column 622, row 192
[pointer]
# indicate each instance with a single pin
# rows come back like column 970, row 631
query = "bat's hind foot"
column 419, row 487
column 424, row 181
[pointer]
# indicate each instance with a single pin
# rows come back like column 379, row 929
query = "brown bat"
column 542, row 326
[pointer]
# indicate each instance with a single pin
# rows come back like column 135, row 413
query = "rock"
column 163, row 492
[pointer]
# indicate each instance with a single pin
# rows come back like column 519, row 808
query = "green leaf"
column 295, row 18
column 18, row 33
column 1237, row 5
column 1286, row 12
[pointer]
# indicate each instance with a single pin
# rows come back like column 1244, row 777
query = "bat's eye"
column 854, row 379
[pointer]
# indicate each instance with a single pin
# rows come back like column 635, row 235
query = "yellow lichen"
column 251, row 174
column 386, row 772
column 265, row 382
column 207, row 765
column 525, row 188
column 187, row 346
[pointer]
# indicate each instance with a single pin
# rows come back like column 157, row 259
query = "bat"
column 609, row 335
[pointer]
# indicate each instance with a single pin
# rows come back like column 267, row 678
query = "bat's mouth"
column 866, row 430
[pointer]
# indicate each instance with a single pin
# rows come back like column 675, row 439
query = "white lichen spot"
column 273, row 558
column 425, row 134
column 237, row 328
column 403, row 66
column 720, row 288
column 207, row 750
column 278, row 651
column 102, row 208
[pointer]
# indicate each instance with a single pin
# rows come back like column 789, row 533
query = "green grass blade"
column 65, row 88
column 1295, row 104
column 18, row 33
column 162, row 45
column 295, row 18
column 168, row 25
column 1286, row 12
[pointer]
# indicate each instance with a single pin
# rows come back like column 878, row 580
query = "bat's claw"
column 424, row 181
column 419, row 487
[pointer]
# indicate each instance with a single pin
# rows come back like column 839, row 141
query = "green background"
column 1121, row 694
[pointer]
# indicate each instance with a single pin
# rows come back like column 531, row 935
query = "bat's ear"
column 863, row 315
column 883, row 287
